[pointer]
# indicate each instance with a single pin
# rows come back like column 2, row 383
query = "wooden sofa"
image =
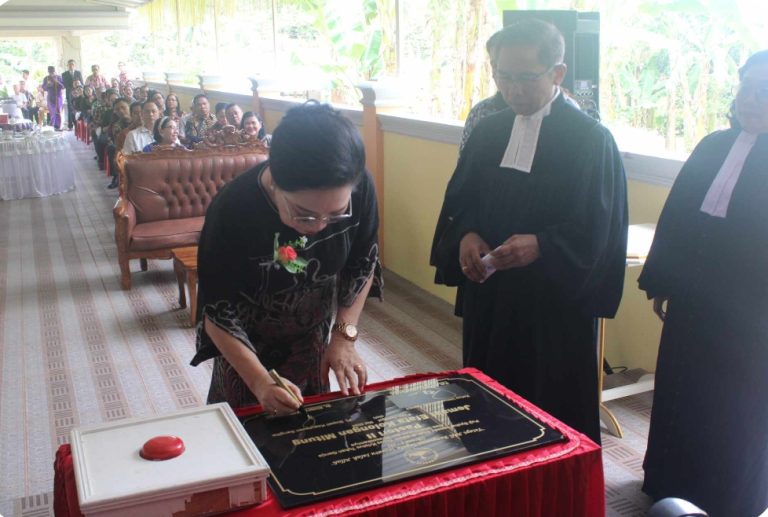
column 164, row 195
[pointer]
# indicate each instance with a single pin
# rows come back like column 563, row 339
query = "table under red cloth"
column 562, row 479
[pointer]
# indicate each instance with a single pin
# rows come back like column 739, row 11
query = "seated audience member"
column 114, row 83
column 200, row 121
column 96, row 80
column 127, row 91
column 172, row 107
column 31, row 105
column 74, row 101
column 173, row 110
column 135, row 123
column 122, row 74
column 234, row 114
column 143, row 135
column 221, row 116
column 166, row 133
column 42, row 106
column 21, row 100
column 84, row 103
column 121, row 119
column 103, row 121
column 158, row 99
column 252, row 127
column 142, row 94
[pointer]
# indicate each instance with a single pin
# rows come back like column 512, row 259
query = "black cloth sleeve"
column 222, row 270
column 586, row 254
column 456, row 215
column 668, row 257
column 363, row 259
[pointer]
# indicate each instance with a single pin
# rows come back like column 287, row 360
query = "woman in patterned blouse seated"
column 166, row 133
column 251, row 127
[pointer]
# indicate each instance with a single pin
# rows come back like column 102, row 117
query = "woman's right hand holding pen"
column 274, row 399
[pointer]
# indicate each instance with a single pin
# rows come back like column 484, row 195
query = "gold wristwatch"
column 347, row 331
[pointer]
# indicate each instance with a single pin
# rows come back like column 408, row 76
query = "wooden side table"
column 185, row 266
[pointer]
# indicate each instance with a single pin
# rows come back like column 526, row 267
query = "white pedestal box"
column 219, row 470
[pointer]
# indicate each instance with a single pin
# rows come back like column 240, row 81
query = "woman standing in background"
column 708, row 440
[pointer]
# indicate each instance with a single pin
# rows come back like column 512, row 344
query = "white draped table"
column 36, row 166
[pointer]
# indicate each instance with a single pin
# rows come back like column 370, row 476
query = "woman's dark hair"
column 758, row 58
column 167, row 111
column 51, row 69
column 160, row 123
column 315, row 147
column 248, row 114
column 220, row 106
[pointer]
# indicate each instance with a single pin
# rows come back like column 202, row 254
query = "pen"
column 279, row 381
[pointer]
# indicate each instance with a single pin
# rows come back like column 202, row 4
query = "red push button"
column 162, row 448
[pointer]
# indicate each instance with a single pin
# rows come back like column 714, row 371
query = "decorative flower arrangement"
column 286, row 256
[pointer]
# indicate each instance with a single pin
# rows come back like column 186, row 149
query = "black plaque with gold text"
column 356, row 443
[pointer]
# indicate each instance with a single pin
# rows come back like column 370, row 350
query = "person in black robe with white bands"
column 706, row 272
column 541, row 189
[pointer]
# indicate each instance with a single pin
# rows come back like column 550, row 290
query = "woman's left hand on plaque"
column 350, row 371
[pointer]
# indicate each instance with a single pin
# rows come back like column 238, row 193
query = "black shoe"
column 114, row 184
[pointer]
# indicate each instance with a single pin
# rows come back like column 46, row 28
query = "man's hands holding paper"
column 478, row 262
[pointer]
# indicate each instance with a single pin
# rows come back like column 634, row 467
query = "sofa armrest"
column 125, row 221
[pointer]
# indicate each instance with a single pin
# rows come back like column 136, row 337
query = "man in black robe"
column 541, row 188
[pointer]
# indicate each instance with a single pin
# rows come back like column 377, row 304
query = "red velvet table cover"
column 562, row 479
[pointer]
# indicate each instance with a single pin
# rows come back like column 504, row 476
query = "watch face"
column 351, row 331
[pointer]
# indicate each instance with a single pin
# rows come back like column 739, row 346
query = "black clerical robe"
column 708, row 440
column 532, row 328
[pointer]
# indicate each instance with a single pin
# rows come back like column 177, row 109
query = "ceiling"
column 56, row 17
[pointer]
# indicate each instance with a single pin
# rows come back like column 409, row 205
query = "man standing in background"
column 70, row 76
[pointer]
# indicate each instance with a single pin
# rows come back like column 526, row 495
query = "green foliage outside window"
column 668, row 67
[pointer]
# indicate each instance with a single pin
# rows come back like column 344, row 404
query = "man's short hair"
column 147, row 103
column 199, row 96
column 532, row 32
column 70, row 61
column 25, row 72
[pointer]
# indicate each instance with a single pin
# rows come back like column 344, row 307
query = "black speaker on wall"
column 581, row 31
